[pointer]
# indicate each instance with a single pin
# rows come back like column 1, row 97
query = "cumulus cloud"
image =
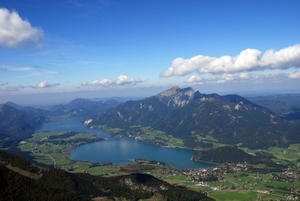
column 10, row 88
column 104, row 82
column 295, row 75
column 44, row 84
column 194, row 79
column 248, row 60
column 233, row 77
column 253, row 78
column 121, row 80
column 15, row 31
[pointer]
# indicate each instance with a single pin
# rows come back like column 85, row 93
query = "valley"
column 243, row 180
column 242, row 151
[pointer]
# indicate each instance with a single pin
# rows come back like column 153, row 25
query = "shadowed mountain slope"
column 56, row 184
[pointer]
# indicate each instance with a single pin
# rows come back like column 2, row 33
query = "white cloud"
column 295, row 75
column 182, row 66
column 248, row 60
column 227, row 77
column 123, row 79
column 234, row 77
column 15, row 32
column 44, row 84
column 243, row 75
column 10, row 88
column 104, row 82
column 254, row 78
column 194, row 79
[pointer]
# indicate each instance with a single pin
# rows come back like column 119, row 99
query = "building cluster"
column 203, row 177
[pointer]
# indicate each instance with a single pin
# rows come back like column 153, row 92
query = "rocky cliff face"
column 176, row 97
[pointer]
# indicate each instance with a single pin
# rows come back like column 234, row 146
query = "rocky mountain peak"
column 176, row 97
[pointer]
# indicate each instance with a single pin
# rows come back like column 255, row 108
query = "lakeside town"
column 237, row 177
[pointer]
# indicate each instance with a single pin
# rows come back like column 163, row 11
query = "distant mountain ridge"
column 182, row 113
column 186, row 114
column 285, row 105
column 14, row 105
column 16, row 125
column 18, row 122
column 83, row 108
column 77, row 108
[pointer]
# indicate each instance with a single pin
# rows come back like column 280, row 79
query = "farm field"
column 289, row 156
column 51, row 149
column 241, row 186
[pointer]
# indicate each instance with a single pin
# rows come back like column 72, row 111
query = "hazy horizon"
column 64, row 98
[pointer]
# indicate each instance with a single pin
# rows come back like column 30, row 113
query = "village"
column 237, row 177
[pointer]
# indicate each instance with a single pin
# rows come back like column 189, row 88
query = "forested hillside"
column 55, row 184
column 16, row 125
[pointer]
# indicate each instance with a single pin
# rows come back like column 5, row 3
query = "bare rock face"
column 176, row 97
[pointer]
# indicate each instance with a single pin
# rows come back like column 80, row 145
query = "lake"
column 123, row 150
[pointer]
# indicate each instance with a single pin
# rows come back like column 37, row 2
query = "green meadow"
column 52, row 149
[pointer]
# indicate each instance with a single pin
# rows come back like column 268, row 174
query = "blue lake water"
column 123, row 150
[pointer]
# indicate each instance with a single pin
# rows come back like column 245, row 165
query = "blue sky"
column 99, row 48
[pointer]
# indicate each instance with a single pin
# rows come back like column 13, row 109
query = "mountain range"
column 82, row 108
column 16, row 124
column 286, row 106
column 190, row 115
column 19, row 122
column 182, row 113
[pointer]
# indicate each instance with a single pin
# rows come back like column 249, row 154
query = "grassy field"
column 236, row 195
column 108, row 129
column 289, row 156
column 148, row 134
column 239, row 186
column 51, row 148
column 248, row 186
column 160, row 137
column 209, row 139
